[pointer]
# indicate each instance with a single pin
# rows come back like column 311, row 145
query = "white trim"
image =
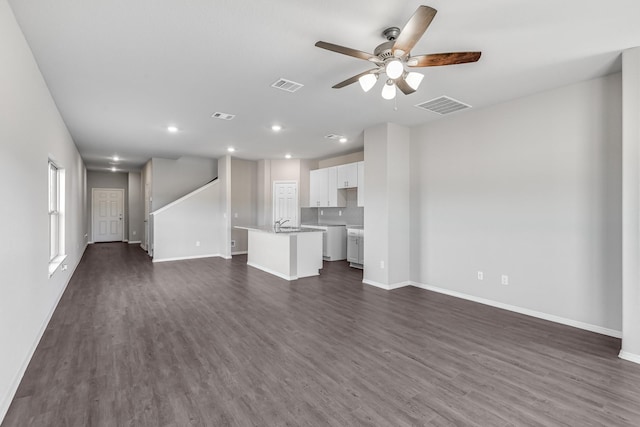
column 133, row 242
column 533, row 313
column 275, row 273
column 239, row 253
column 182, row 258
column 185, row 197
column 625, row 355
column 386, row 287
column 8, row 397
column 55, row 263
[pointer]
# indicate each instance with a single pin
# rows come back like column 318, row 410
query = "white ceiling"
column 121, row 71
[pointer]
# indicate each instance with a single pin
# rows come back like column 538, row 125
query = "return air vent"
column 287, row 85
column 223, row 116
column 443, row 105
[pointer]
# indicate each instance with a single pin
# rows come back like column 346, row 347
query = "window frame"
column 55, row 185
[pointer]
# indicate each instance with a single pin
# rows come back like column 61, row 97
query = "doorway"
column 285, row 202
column 107, row 212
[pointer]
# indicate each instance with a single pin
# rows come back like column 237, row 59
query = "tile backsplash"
column 351, row 214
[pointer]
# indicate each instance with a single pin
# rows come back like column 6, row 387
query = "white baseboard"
column 8, row 398
column 386, row 287
column 239, row 253
column 182, row 258
column 275, row 273
column 635, row 358
column 133, row 242
column 525, row 311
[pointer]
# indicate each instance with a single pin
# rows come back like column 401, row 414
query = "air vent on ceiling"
column 287, row 85
column 443, row 105
column 334, row 136
column 223, row 116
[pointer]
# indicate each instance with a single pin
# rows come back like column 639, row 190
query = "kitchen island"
column 289, row 253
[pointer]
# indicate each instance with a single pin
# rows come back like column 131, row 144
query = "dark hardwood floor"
column 213, row 342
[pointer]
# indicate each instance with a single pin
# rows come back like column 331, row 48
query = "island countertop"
column 282, row 230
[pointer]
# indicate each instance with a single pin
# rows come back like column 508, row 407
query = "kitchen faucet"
column 279, row 223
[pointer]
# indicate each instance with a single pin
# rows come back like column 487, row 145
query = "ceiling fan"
column 393, row 57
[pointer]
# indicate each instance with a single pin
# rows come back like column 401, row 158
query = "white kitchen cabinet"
column 334, row 241
column 323, row 190
column 319, row 187
column 348, row 175
column 360, row 184
column 355, row 247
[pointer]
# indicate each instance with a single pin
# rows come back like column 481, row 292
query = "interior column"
column 631, row 205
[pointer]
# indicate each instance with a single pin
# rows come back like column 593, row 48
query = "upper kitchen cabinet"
column 323, row 190
column 348, row 175
column 318, row 187
column 360, row 184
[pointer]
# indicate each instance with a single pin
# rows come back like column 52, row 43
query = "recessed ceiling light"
column 231, row 149
column 113, row 169
column 276, row 128
column 287, row 156
column 172, row 129
column 116, row 158
column 343, row 140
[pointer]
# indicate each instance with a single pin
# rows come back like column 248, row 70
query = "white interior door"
column 285, row 202
column 108, row 214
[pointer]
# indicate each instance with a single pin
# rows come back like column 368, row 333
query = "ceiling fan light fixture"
column 389, row 91
column 394, row 69
column 414, row 79
column 368, row 81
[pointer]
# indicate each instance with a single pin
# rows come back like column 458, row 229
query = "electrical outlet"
column 340, row 213
column 197, row 242
column 321, row 212
column 381, row 264
column 134, row 232
column 480, row 275
column 505, row 279
column 235, row 215
column 233, row 243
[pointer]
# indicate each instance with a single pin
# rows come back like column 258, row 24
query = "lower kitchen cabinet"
column 355, row 247
column 334, row 241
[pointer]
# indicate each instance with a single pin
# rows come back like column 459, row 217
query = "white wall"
column 244, row 188
column 375, row 219
column 173, row 179
column 631, row 205
column 31, row 132
column 193, row 227
column 135, row 213
column 340, row 160
column 530, row 189
column 386, row 217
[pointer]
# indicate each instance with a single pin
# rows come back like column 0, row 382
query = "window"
column 56, row 224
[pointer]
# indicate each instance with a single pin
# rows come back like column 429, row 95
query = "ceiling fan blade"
column 347, row 51
column 437, row 59
column 404, row 86
column 413, row 30
column 354, row 79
